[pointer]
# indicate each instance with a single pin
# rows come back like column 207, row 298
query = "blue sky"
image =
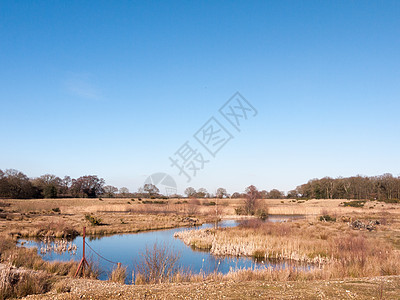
column 114, row 88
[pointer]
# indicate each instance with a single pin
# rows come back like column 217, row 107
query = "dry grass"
column 338, row 250
column 158, row 264
column 17, row 283
column 118, row 275
column 28, row 258
column 39, row 217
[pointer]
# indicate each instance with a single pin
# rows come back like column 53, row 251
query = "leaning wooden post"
column 83, row 261
column 83, row 244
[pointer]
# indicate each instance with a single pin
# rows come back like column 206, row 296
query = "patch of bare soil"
column 387, row 287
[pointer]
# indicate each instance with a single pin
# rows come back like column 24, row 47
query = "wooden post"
column 83, row 262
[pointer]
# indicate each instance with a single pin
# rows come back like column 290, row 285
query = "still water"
column 126, row 249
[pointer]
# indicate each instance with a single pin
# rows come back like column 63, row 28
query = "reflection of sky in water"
column 126, row 249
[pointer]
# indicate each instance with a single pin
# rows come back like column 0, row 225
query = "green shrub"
column 95, row 221
column 358, row 203
column 327, row 218
column 240, row 211
column 154, row 202
column 262, row 213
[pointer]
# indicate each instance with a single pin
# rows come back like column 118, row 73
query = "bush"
column 95, row 221
column 358, row 203
column 118, row 275
column 57, row 209
column 262, row 213
column 154, row 202
column 327, row 218
column 192, row 208
column 240, row 211
column 211, row 203
column 20, row 284
column 159, row 264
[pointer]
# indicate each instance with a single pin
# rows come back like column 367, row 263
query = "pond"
column 126, row 249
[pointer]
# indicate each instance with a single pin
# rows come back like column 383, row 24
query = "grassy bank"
column 66, row 217
column 336, row 247
column 23, row 272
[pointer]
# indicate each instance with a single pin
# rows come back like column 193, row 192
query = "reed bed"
column 333, row 248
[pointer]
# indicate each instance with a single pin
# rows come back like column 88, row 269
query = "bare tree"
column 221, row 193
column 109, row 191
column 16, row 184
column 201, row 193
column 250, row 202
column 192, row 207
column 190, row 192
column 275, row 194
column 87, row 186
column 49, row 185
column 158, row 264
column 124, row 191
column 151, row 189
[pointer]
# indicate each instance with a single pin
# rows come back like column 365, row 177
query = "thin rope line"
column 100, row 255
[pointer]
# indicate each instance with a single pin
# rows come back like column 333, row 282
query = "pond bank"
column 127, row 249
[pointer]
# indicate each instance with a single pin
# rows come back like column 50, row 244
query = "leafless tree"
column 124, row 191
column 109, row 191
column 221, row 193
column 190, row 192
column 251, row 199
column 87, row 186
column 158, row 264
column 151, row 189
column 201, row 193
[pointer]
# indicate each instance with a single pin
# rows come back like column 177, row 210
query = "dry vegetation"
column 334, row 248
column 24, row 272
column 66, row 217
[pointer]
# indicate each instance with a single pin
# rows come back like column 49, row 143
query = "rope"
column 113, row 262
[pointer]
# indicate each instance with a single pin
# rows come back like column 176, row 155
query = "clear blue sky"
column 114, row 88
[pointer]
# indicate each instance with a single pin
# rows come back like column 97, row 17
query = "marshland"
column 283, row 241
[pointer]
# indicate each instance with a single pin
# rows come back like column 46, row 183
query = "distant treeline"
column 16, row 185
column 383, row 187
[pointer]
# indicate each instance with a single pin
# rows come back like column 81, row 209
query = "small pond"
column 126, row 249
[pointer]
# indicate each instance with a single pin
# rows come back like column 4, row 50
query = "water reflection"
column 126, row 249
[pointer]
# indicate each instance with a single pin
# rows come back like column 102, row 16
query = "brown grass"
column 118, row 275
column 17, row 284
column 337, row 250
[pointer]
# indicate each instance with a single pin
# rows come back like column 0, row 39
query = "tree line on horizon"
column 16, row 185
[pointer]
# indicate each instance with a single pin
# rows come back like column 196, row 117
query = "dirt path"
column 366, row 288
